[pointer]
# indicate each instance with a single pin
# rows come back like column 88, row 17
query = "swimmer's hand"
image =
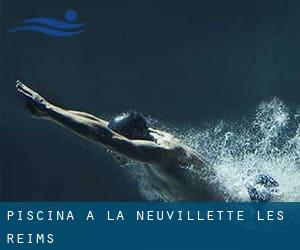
column 35, row 103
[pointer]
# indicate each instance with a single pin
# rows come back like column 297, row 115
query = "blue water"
column 268, row 141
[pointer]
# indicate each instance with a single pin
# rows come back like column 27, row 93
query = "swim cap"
column 132, row 125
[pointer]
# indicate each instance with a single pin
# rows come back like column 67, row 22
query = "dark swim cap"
column 132, row 125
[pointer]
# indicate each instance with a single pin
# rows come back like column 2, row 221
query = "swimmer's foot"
column 263, row 188
column 34, row 103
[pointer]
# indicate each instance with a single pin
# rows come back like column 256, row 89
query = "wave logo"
column 53, row 27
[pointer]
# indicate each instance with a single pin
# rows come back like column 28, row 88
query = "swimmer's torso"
column 177, row 179
column 181, row 183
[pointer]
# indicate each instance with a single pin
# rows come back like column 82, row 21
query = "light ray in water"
column 267, row 142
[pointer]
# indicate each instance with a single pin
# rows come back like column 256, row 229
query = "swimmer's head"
column 132, row 125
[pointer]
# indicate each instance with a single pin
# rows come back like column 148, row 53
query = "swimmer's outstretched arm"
column 95, row 129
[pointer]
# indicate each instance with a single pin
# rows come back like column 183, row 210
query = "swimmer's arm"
column 34, row 100
column 83, row 124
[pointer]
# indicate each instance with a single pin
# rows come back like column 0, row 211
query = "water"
column 268, row 141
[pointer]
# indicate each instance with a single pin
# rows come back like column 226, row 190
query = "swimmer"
column 129, row 136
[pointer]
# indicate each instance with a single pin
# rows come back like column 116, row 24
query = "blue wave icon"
column 53, row 27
